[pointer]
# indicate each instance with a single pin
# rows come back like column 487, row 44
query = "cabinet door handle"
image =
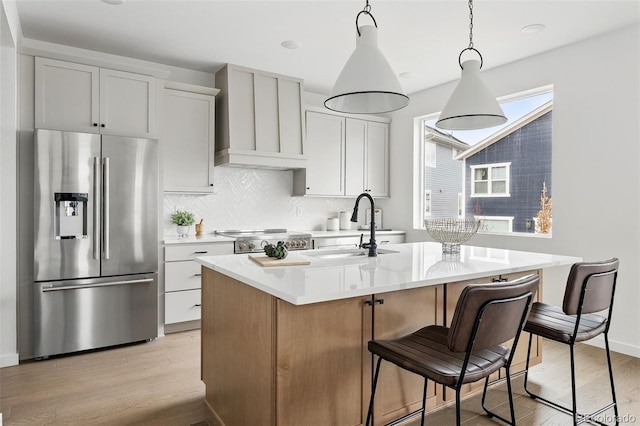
column 500, row 279
column 368, row 303
column 379, row 301
column 102, row 125
column 95, row 124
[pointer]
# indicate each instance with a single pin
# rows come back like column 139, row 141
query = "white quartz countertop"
column 192, row 239
column 352, row 233
column 411, row 265
column 215, row 238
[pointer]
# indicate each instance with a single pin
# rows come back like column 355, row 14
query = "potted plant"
column 183, row 220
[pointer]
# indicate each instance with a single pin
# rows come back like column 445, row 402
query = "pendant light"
column 471, row 105
column 367, row 84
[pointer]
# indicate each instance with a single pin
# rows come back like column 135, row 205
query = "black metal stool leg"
column 613, row 388
column 424, row 400
column 373, row 392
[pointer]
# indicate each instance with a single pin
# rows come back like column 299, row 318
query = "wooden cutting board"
column 264, row 260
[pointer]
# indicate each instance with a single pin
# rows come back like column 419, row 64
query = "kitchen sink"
column 344, row 253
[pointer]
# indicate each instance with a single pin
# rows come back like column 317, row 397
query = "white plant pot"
column 182, row 230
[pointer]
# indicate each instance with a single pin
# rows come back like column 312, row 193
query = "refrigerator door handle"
column 96, row 208
column 105, row 205
column 109, row 284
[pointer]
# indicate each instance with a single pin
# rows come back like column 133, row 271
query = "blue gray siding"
column 528, row 149
column 445, row 182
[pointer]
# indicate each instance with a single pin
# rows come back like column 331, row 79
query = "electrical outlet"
column 298, row 211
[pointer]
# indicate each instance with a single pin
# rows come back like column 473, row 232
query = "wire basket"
column 451, row 232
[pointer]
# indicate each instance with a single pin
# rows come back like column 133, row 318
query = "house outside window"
column 490, row 180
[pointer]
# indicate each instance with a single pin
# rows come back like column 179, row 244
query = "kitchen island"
column 287, row 345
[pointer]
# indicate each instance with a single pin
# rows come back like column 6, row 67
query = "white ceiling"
column 422, row 37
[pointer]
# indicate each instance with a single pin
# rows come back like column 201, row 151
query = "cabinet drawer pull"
column 198, row 305
column 197, row 275
column 200, row 252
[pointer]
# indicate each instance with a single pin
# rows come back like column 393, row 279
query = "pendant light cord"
column 367, row 11
column 470, row 36
column 470, row 24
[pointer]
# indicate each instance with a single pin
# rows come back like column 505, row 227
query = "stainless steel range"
column 253, row 241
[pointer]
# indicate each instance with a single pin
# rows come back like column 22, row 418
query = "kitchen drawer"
column 182, row 275
column 389, row 239
column 180, row 306
column 188, row 252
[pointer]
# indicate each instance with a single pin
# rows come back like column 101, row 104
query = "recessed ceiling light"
column 291, row 44
column 532, row 29
column 407, row 74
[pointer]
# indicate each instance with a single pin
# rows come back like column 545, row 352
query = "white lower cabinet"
column 182, row 279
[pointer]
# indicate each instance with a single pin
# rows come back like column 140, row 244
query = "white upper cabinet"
column 82, row 98
column 325, row 150
column 346, row 156
column 260, row 121
column 188, row 138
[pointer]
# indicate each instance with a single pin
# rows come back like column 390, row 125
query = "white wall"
column 8, row 329
column 596, row 158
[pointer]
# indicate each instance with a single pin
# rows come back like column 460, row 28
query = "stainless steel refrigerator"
column 96, row 241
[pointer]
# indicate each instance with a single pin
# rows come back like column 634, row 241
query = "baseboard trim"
column 8, row 360
column 616, row 346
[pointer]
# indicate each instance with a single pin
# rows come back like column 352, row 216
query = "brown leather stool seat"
column 550, row 321
column 589, row 292
column 486, row 316
column 423, row 353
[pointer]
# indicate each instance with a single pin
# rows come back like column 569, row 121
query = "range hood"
column 259, row 160
column 259, row 119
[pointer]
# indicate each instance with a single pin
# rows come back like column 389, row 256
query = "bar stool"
column 590, row 289
column 486, row 316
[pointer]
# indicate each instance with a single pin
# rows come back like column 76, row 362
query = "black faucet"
column 371, row 245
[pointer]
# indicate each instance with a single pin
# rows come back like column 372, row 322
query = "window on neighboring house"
column 427, row 203
column 490, row 180
column 496, row 224
column 429, row 154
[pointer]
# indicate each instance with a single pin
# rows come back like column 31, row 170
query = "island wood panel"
column 453, row 291
column 399, row 391
column 323, row 366
column 238, row 349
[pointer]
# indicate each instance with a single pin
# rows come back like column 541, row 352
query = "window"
column 427, row 203
column 490, row 180
column 429, row 154
column 499, row 174
column 495, row 224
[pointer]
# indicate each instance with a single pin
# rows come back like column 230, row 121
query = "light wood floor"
column 158, row 383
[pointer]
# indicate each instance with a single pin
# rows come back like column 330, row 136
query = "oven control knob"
column 287, row 244
column 296, row 243
column 251, row 246
column 242, row 246
column 303, row 243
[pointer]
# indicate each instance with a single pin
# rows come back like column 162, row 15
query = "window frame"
column 490, row 181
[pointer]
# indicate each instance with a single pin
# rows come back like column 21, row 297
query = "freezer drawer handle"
column 109, row 284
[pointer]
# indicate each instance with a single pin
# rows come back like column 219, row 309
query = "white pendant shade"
column 367, row 84
column 471, row 105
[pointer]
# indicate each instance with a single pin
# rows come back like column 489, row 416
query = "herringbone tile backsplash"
column 254, row 199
